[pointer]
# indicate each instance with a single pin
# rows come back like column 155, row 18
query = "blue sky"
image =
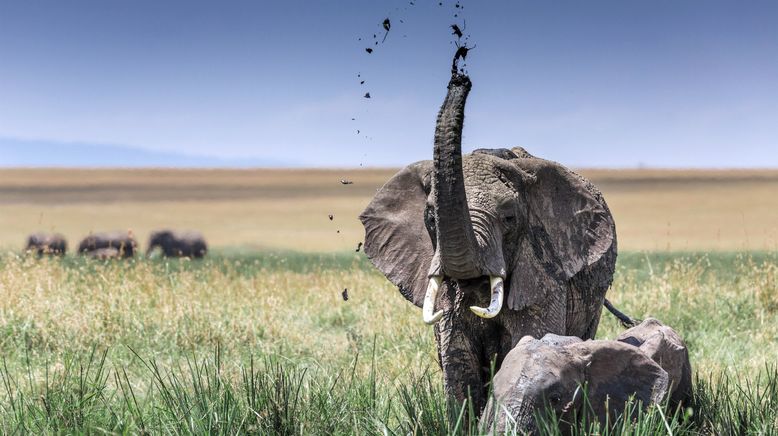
column 596, row 83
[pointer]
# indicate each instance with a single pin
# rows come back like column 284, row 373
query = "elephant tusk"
column 429, row 301
column 496, row 304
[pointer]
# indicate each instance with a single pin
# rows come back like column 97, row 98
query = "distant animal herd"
column 121, row 245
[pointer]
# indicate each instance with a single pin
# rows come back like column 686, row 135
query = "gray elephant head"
column 573, row 378
column 527, row 224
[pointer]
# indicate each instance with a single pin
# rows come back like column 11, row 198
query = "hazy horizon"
column 603, row 84
column 20, row 155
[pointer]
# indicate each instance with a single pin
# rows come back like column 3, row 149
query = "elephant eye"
column 429, row 218
column 509, row 219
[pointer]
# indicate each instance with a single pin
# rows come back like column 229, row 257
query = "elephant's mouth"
column 496, row 284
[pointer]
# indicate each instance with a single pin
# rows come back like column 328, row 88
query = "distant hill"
column 33, row 153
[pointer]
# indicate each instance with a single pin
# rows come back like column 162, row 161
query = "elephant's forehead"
column 478, row 165
column 484, row 180
column 538, row 353
column 534, row 367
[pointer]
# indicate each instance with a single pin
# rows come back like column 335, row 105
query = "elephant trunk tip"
column 460, row 81
column 461, row 53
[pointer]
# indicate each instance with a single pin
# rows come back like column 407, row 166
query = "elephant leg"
column 536, row 321
column 584, row 308
column 461, row 362
column 591, row 330
column 587, row 295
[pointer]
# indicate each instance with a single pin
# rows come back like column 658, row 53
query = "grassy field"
column 257, row 338
column 265, row 343
column 288, row 209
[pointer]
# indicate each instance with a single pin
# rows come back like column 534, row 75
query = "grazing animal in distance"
column 123, row 242
column 189, row 244
column 47, row 244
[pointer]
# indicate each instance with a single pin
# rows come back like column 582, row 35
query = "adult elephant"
column 47, row 243
column 178, row 244
column 501, row 243
column 101, row 244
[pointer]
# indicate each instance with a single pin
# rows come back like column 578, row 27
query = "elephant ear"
column 567, row 213
column 616, row 372
column 569, row 228
column 396, row 238
column 664, row 346
column 536, row 273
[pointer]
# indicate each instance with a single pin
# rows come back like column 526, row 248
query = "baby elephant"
column 109, row 245
column 178, row 244
column 47, row 243
column 649, row 362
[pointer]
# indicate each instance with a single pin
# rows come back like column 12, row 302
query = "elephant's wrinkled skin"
column 536, row 237
column 47, row 243
column 178, row 244
column 574, row 377
column 122, row 243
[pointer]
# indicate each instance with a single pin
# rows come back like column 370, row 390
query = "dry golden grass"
column 52, row 308
column 729, row 210
column 288, row 209
column 56, row 308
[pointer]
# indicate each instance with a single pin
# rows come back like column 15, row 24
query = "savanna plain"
column 259, row 338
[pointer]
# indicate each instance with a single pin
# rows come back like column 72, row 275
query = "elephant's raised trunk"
column 456, row 240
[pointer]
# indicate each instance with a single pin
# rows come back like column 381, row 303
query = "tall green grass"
column 274, row 397
column 263, row 343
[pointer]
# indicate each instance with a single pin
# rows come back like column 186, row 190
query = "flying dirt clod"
column 387, row 25
column 456, row 30
column 461, row 53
